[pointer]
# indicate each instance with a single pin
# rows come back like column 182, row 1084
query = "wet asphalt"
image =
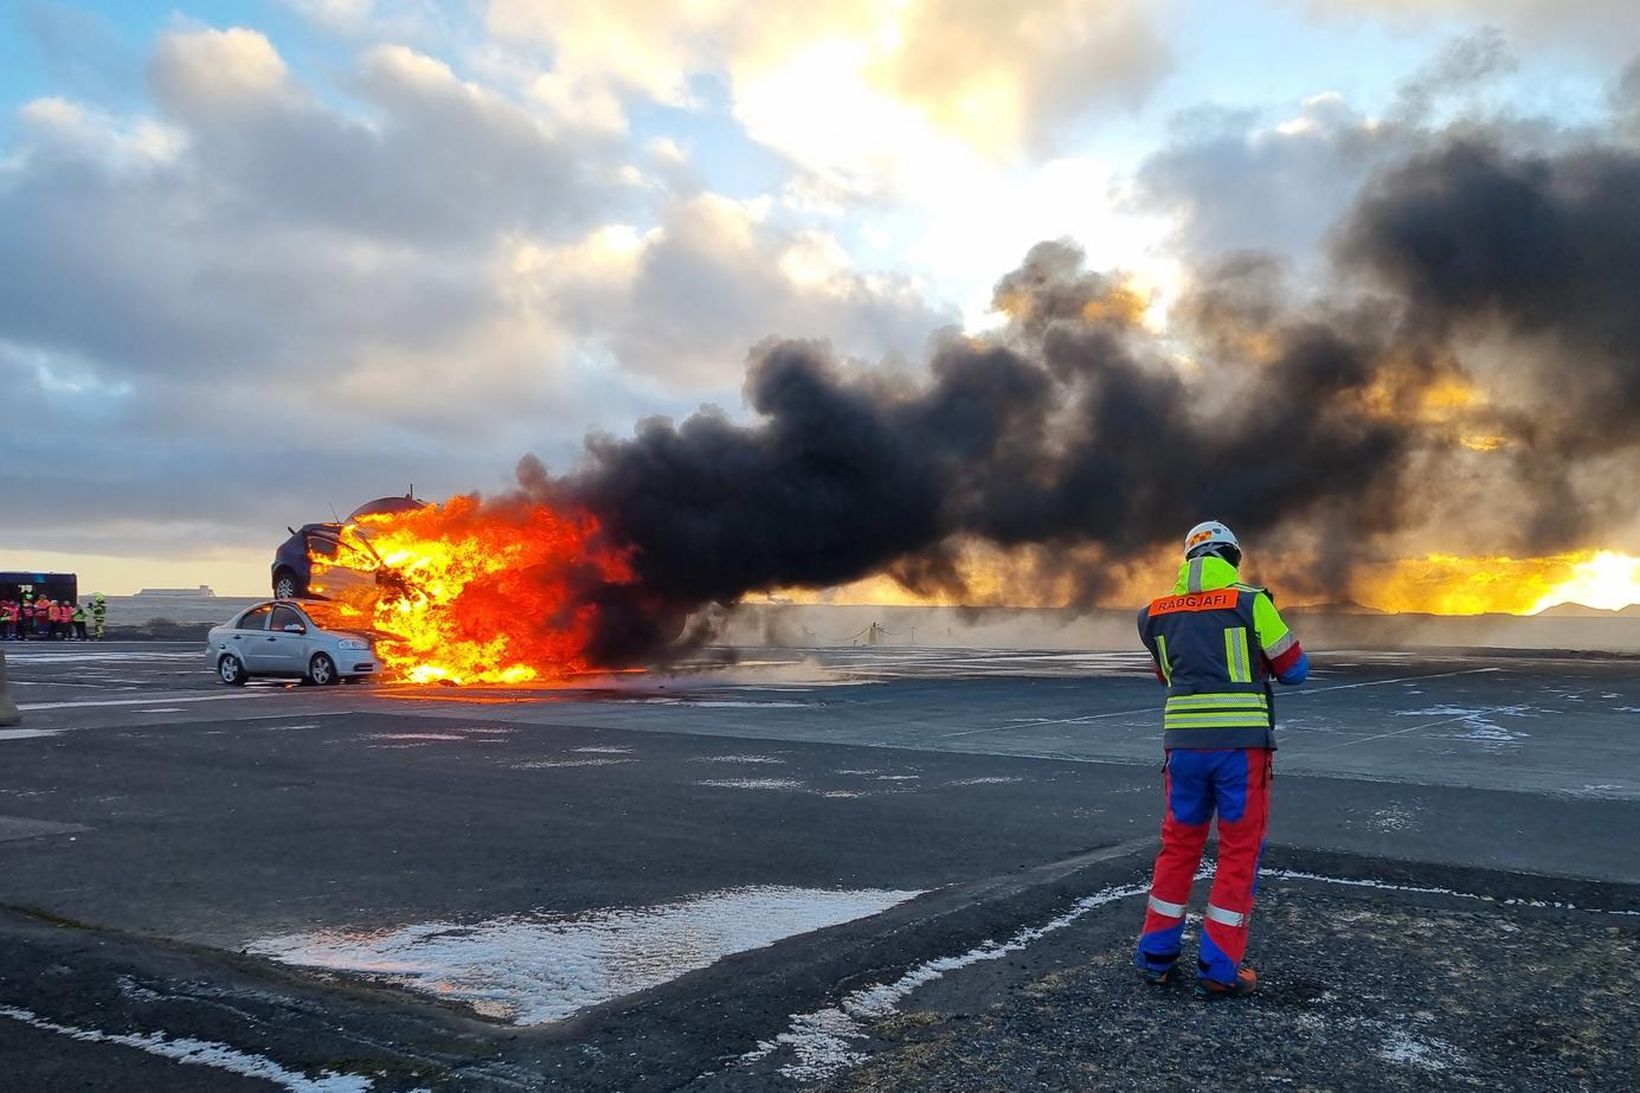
column 154, row 824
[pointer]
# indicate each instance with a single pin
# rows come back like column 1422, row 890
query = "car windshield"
column 336, row 616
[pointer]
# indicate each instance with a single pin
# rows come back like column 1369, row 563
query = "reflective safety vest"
column 1210, row 639
column 79, row 613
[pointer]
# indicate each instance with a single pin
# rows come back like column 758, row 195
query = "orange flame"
column 1446, row 584
column 467, row 593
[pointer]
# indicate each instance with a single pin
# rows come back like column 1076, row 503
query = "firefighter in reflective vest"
column 99, row 615
column 1216, row 643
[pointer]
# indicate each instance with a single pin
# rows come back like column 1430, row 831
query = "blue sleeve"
column 1297, row 672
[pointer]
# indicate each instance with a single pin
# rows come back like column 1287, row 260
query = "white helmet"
column 1209, row 534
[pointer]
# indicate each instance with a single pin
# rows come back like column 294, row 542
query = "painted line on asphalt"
column 1153, row 708
column 1381, row 682
column 148, row 701
column 1411, row 728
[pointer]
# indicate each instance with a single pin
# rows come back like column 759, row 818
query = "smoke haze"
column 1470, row 382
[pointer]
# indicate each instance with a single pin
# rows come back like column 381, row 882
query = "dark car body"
column 293, row 560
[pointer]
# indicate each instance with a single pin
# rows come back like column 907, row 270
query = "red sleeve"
column 1283, row 664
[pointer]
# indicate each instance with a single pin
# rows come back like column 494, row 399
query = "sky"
column 266, row 260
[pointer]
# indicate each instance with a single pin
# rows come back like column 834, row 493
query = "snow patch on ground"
column 558, row 764
column 192, row 1052
column 1401, row 1046
column 821, row 1043
column 604, row 749
column 772, row 760
column 1424, row 890
column 534, row 968
column 991, row 780
column 1394, row 818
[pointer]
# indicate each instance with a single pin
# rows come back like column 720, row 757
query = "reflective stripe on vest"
column 1237, row 656
column 1217, row 711
column 1161, row 659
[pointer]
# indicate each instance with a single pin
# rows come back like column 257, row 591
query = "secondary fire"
column 1443, row 584
column 467, row 592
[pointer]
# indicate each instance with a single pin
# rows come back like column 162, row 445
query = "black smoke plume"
column 1302, row 419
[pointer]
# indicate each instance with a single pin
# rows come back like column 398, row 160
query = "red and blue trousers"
column 1234, row 786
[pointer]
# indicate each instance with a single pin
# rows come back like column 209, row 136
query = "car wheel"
column 322, row 670
column 230, row 671
column 286, row 586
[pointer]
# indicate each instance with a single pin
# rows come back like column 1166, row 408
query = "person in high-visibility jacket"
column 1216, row 644
column 99, row 614
column 78, row 616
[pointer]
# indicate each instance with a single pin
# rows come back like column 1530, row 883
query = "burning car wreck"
column 460, row 592
column 325, row 545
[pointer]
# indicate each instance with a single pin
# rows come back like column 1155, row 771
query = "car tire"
column 231, row 670
column 322, row 671
column 286, row 586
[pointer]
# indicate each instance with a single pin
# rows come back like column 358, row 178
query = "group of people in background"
column 46, row 619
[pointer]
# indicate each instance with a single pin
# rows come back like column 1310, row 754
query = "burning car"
column 329, row 543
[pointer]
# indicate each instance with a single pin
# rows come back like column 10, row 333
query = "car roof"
column 385, row 505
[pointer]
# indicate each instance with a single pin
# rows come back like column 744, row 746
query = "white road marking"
column 1302, row 692
column 189, row 1051
column 1397, row 732
column 136, row 701
column 27, row 734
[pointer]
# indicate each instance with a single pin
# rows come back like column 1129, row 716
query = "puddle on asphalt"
column 536, row 968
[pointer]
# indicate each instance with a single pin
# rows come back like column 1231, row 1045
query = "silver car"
column 281, row 638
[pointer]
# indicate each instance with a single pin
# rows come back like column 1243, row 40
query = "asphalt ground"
column 176, row 856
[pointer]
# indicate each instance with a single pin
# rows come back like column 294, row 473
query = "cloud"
column 1231, row 182
column 1610, row 26
column 249, row 302
column 862, row 92
column 1280, row 180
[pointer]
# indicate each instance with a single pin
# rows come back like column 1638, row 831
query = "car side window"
column 283, row 617
column 254, row 619
column 322, row 543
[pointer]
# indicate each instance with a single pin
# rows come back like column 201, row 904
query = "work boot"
column 1157, row 971
column 1246, row 983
